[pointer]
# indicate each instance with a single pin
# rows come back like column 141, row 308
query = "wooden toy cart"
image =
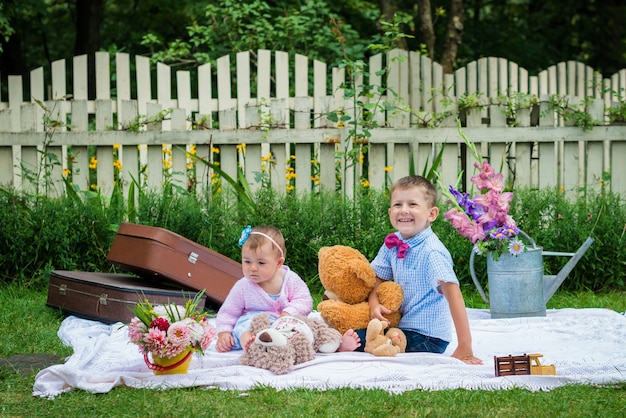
column 522, row 365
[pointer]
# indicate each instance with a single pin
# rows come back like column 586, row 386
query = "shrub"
column 75, row 232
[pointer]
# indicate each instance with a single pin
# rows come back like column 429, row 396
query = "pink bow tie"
column 392, row 240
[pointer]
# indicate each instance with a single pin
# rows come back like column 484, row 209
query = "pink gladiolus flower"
column 474, row 232
column 456, row 218
column 487, row 179
column 484, row 218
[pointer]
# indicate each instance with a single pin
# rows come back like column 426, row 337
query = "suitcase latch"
column 63, row 289
column 103, row 299
column 193, row 257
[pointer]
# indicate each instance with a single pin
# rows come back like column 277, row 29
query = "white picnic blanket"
column 587, row 346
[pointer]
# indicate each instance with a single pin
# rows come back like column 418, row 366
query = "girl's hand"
column 225, row 342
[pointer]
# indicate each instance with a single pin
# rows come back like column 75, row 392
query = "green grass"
column 24, row 309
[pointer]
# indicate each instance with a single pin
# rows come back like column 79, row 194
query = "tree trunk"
column 454, row 35
column 88, row 19
column 388, row 9
column 426, row 28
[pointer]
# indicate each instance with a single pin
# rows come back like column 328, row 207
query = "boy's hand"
column 378, row 311
column 466, row 357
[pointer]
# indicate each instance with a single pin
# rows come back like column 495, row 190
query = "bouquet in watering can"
column 484, row 217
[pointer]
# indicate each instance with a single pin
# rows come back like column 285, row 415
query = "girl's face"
column 262, row 264
column 409, row 211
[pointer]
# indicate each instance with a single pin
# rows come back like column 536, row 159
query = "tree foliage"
column 533, row 33
column 229, row 26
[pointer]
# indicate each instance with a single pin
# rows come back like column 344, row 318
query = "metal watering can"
column 517, row 284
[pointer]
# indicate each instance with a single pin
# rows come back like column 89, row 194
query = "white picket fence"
column 275, row 126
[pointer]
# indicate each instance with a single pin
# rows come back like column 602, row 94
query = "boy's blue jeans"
column 415, row 342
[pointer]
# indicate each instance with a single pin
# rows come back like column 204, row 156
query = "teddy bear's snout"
column 265, row 337
column 271, row 337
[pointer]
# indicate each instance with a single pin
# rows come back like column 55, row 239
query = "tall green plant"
column 239, row 185
column 41, row 175
column 366, row 100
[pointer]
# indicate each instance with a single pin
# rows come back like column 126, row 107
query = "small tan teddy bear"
column 379, row 343
column 348, row 279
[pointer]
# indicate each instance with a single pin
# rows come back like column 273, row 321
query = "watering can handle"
column 473, row 272
column 474, row 279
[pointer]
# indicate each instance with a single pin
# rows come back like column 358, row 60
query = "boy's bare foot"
column 350, row 341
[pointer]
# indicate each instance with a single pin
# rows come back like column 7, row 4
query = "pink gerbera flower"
column 179, row 334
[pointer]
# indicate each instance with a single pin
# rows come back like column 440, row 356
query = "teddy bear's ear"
column 362, row 269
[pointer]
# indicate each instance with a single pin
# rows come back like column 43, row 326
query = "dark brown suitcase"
column 108, row 297
column 157, row 253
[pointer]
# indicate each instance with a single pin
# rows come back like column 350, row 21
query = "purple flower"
column 473, row 210
column 484, row 218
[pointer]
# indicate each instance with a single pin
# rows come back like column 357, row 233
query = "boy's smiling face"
column 410, row 212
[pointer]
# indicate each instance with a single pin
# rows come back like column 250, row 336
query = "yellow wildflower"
column 388, row 168
column 66, row 172
column 117, row 164
column 116, row 146
column 289, row 187
column 365, row 184
column 93, row 163
column 215, row 150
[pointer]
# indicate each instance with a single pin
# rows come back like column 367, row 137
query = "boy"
column 416, row 259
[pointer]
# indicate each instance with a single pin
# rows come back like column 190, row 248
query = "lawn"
column 38, row 324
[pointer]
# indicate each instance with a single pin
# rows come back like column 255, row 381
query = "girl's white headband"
column 247, row 231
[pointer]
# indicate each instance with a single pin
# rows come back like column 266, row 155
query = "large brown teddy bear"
column 348, row 279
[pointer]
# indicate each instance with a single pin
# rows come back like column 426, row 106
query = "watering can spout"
column 552, row 283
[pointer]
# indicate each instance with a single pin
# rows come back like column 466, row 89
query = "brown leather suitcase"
column 108, row 297
column 157, row 253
